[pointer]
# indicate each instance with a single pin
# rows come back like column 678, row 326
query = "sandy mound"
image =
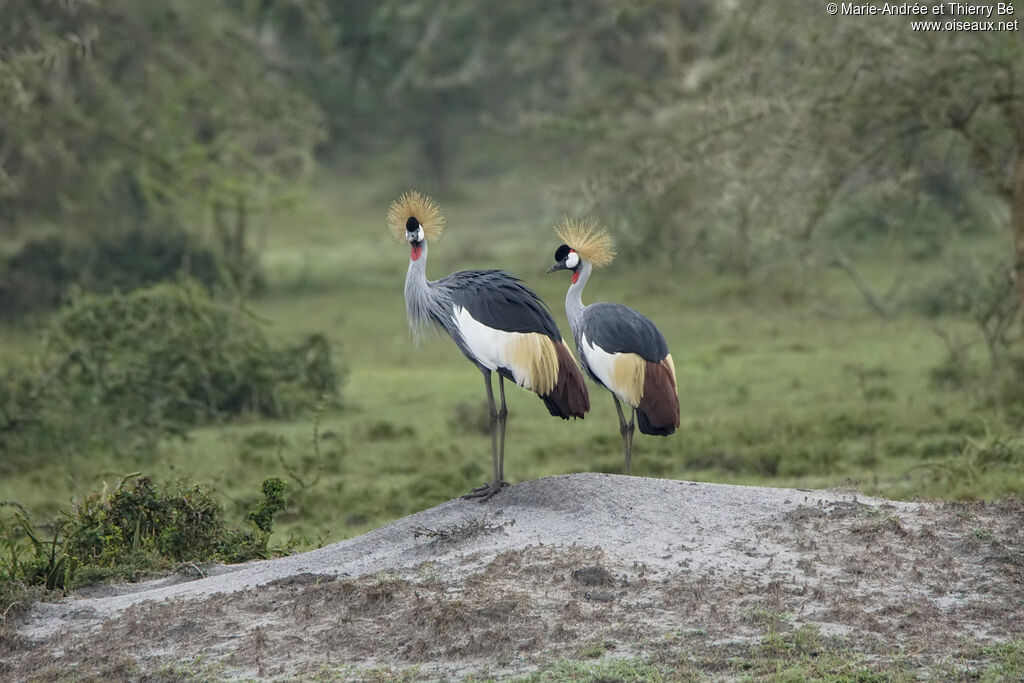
column 563, row 567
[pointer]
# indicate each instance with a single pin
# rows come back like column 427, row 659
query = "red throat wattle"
column 416, row 251
column 575, row 276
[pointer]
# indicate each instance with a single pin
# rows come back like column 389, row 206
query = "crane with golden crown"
column 618, row 347
column 496, row 321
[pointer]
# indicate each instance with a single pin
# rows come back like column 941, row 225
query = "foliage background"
column 824, row 215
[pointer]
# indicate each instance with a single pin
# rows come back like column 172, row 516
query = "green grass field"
column 784, row 380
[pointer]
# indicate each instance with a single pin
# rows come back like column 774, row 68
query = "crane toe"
column 487, row 491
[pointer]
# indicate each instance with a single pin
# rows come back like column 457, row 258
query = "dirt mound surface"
column 569, row 567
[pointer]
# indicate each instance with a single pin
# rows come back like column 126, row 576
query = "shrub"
column 119, row 371
column 40, row 276
column 274, row 500
column 987, row 297
column 138, row 529
column 19, row 401
column 35, row 279
column 141, row 256
column 158, row 361
column 982, row 292
column 179, row 523
column 956, row 371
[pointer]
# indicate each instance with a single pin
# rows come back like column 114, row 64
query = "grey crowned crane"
column 619, row 348
column 496, row 321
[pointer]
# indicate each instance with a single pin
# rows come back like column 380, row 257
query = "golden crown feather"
column 412, row 204
column 591, row 241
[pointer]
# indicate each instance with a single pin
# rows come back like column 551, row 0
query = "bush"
column 138, row 529
column 988, row 298
column 141, row 256
column 180, row 523
column 274, row 500
column 35, row 279
column 40, row 276
column 170, row 355
column 19, row 401
column 158, row 361
column 955, row 372
column 981, row 292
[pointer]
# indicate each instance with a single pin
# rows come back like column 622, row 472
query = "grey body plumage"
column 620, row 329
column 500, row 325
column 493, row 297
column 613, row 328
column 625, row 353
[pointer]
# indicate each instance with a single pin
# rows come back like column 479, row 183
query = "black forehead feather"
column 412, row 225
column 561, row 252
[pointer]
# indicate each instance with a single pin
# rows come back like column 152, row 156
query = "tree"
column 120, row 112
column 778, row 114
column 873, row 104
column 431, row 73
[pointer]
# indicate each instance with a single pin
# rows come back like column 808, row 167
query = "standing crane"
column 618, row 347
column 496, row 321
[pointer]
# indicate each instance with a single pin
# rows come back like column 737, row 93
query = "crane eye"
column 572, row 260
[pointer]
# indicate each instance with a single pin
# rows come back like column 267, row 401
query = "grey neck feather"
column 574, row 307
column 428, row 305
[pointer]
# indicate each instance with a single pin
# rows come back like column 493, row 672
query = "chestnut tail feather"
column 658, row 412
column 569, row 396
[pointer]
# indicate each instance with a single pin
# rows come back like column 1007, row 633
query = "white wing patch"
column 623, row 373
column 529, row 356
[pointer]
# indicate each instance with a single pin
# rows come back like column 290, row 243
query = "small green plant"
column 977, row 458
column 274, row 500
column 803, row 641
column 139, row 528
column 27, row 559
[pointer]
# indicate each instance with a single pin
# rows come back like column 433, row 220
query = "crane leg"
column 489, row 489
column 502, row 419
column 626, row 430
column 632, row 428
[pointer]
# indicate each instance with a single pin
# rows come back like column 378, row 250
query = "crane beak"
column 557, row 266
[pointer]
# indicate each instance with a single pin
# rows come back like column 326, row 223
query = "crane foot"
column 486, row 491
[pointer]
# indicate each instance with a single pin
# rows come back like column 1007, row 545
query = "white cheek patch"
column 572, row 260
column 415, row 236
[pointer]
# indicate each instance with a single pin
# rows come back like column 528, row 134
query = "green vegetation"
column 103, row 135
column 46, row 271
column 154, row 362
column 808, row 388
column 138, row 529
column 800, row 655
column 625, row 670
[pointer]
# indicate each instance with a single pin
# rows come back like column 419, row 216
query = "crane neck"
column 418, row 267
column 418, row 294
column 574, row 297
